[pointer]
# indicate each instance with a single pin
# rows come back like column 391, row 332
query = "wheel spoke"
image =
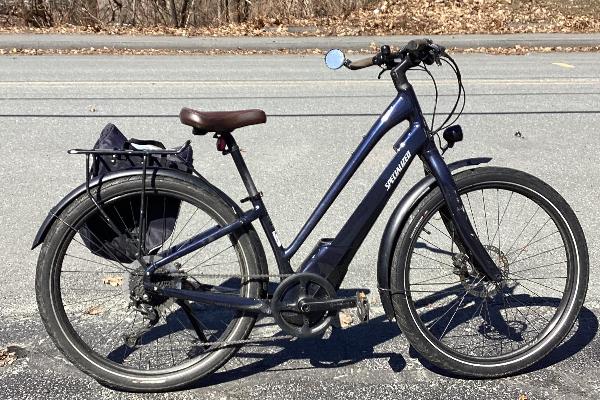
column 531, row 240
column 522, row 230
column 456, row 309
column 487, row 229
column 484, row 319
column 98, row 243
column 105, row 301
column 210, row 258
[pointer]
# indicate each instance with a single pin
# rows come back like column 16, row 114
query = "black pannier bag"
column 162, row 212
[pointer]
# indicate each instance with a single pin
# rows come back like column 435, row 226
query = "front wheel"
column 454, row 316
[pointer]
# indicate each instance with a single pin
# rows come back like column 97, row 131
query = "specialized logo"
column 396, row 173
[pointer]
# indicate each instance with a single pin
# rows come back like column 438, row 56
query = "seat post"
column 240, row 164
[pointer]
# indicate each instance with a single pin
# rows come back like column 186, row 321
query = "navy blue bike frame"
column 331, row 257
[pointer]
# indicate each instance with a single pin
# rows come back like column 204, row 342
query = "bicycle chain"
column 255, row 276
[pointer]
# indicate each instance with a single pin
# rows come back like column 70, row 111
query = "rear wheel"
column 96, row 310
column 456, row 318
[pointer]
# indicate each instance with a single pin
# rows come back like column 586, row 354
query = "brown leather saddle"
column 204, row 122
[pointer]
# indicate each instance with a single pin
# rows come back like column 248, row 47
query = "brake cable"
column 424, row 68
column 461, row 93
column 438, row 58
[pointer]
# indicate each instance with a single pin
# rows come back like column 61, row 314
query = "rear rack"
column 145, row 154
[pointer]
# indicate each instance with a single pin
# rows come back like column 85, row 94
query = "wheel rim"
column 500, row 327
column 96, row 324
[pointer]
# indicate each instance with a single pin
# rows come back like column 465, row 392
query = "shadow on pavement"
column 350, row 346
column 345, row 347
column 587, row 327
column 342, row 348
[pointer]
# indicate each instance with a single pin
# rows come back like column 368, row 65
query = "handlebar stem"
column 398, row 74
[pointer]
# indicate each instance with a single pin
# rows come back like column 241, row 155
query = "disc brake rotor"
column 471, row 279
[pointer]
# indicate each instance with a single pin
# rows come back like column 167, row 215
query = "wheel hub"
column 469, row 276
column 167, row 276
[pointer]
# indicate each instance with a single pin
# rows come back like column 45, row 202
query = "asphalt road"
column 316, row 118
column 199, row 43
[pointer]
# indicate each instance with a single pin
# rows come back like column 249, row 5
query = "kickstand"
column 196, row 323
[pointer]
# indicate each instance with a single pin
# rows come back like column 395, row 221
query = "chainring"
column 286, row 310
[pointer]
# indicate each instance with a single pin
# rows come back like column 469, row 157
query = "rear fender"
column 396, row 224
column 97, row 182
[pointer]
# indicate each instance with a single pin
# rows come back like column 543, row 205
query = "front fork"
column 466, row 234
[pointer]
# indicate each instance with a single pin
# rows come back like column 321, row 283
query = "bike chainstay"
column 219, row 344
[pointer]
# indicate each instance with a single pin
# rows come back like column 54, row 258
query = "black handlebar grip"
column 363, row 63
column 417, row 45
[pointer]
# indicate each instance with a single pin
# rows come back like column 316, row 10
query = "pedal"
column 360, row 315
column 362, row 307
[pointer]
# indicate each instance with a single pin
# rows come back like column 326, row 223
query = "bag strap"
column 142, row 142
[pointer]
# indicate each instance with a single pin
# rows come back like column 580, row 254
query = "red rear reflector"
column 221, row 144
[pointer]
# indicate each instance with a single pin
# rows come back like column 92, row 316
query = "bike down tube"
column 331, row 258
column 400, row 109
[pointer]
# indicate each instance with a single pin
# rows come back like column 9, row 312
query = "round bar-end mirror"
column 334, row 59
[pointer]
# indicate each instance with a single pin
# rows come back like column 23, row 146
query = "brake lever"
column 381, row 72
column 438, row 51
column 437, row 59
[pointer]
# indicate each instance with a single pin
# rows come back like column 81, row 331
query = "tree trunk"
column 174, row 19
column 133, row 11
column 184, row 13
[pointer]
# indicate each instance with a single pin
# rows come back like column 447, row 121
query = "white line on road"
column 541, row 81
column 564, row 65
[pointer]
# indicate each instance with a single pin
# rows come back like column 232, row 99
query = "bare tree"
column 176, row 13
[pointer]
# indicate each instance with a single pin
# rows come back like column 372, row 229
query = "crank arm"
column 309, row 305
column 219, row 300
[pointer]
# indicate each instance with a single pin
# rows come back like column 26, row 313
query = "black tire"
column 74, row 331
column 446, row 330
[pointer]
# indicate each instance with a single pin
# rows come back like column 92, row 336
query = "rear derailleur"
column 151, row 306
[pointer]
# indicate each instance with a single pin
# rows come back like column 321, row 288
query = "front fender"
column 396, row 224
column 96, row 182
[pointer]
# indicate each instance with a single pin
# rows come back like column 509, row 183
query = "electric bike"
column 483, row 268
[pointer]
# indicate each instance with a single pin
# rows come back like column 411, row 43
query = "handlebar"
column 399, row 63
column 417, row 50
column 359, row 64
column 417, row 45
